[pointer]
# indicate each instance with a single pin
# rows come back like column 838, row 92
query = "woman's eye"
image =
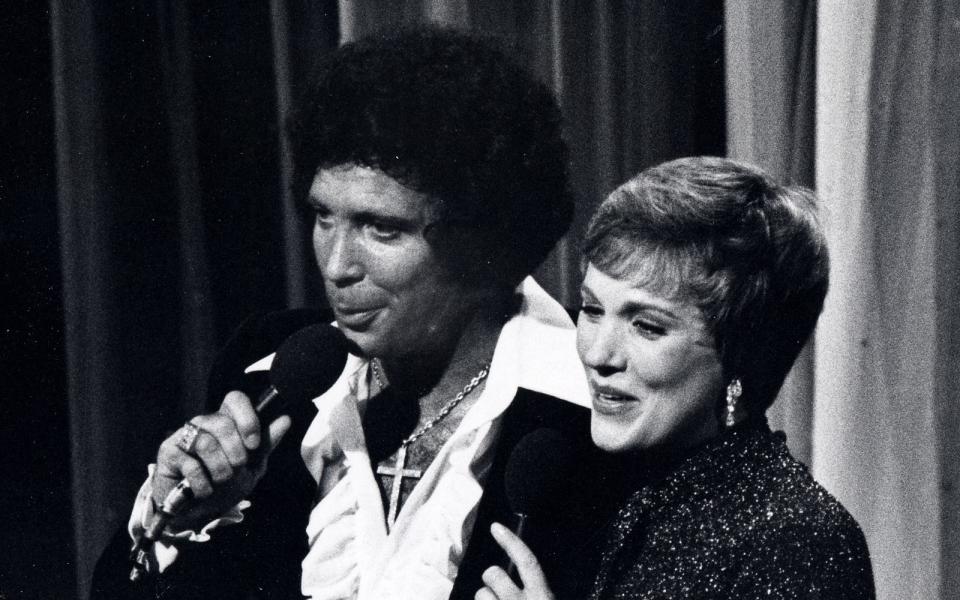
column 649, row 329
column 591, row 310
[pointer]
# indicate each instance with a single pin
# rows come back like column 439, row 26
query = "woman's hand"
column 228, row 457
column 499, row 585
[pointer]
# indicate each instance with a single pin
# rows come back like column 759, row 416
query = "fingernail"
column 497, row 529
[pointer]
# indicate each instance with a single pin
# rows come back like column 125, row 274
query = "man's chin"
column 354, row 347
column 367, row 343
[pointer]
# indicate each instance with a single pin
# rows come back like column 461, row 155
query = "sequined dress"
column 737, row 518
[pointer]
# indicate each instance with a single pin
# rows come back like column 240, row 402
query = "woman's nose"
column 600, row 347
column 337, row 255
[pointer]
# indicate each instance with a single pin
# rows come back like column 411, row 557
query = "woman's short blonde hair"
column 723, row 235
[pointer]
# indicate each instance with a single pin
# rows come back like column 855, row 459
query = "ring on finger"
column 187, row 441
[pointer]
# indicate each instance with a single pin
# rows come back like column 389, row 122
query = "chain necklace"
column 398, row 472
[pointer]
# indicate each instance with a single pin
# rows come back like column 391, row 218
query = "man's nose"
column 338, row 255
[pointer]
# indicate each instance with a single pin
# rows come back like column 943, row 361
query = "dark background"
column 35, row 500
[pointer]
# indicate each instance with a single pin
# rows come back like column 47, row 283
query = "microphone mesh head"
column 536, row 470
column 309, row 362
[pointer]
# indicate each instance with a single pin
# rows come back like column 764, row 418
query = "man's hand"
column 228, row 459
column 499, row 586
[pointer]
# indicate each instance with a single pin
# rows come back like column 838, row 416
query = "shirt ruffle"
column 165, row 551
column 433, row 536
column 334, row 570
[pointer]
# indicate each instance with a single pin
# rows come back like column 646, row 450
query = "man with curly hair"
column 437, row 176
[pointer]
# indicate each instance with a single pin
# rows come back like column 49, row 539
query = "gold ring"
column 188, row 437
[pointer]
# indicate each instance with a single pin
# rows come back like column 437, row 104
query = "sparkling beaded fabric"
column 740, row 518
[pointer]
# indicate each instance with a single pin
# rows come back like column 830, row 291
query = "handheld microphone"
column 306, row 365
column 534, row 478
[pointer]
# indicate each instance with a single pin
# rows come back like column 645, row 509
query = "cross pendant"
column 398, row 473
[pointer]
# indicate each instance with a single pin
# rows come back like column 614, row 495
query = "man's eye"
column 322, row 215
column 384, row 231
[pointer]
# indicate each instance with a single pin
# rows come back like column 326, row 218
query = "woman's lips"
column 608, row 401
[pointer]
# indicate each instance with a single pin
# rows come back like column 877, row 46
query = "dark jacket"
column 737, row 518
column 260, row 557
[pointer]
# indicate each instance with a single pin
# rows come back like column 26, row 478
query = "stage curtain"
column 175, row 216
column 885, row 436
column 876, row 410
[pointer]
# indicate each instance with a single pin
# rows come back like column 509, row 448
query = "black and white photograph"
column 480, row 300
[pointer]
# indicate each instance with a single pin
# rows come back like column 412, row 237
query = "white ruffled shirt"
column 351, row 554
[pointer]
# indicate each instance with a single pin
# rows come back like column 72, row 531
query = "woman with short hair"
column 703, row 281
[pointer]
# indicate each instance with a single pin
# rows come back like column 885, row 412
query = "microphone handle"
column 518, row 529
column 178, row 499
column 267, row 399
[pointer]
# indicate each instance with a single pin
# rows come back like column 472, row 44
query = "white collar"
column 539, row 345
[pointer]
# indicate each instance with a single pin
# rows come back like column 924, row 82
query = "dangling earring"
column 734, row 389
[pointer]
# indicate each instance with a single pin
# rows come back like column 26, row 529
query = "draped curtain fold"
column 176, row 219
column 874, row 402
column 885, row 435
